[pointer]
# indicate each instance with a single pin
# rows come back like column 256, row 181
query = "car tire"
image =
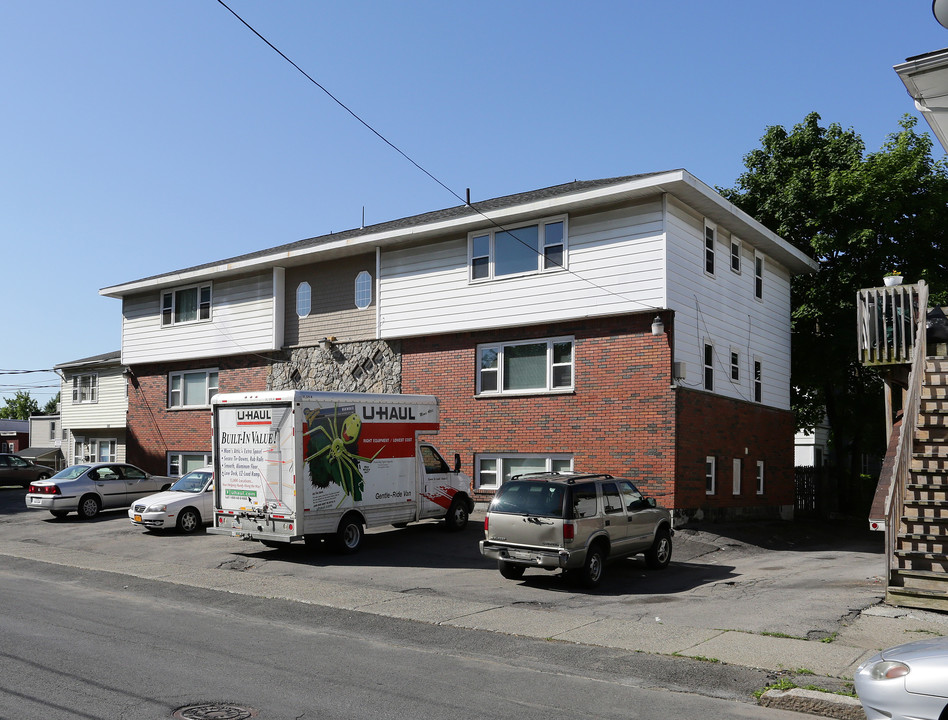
column 349, row 535
column 89, row 506
column 659, row 555
column 457, row 517
column 510, row 571
column 59, row 514
column 189, row 521
column 590, row 574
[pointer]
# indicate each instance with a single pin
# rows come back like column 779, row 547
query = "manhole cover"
column 214, row 711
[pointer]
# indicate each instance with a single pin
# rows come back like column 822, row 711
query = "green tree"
column 19, row 407
column 52, row 406
column 858, row 215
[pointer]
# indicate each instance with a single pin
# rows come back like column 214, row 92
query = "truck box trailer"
column 299, row 465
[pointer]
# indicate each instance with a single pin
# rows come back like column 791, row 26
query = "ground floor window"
column 760, row 477
column 710, row 481
column 94, row 450
column 494, row 470
column 183, row 463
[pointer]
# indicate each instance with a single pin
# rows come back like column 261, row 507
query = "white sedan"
column 907, row 682
column 186, row 505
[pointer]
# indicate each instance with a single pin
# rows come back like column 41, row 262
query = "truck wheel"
column 89, row 507
column 510, row 571
column 349, row 535
column 590, row 575
column 659, row 555
column 457, row 516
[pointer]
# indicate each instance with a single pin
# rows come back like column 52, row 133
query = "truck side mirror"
column 457, row 462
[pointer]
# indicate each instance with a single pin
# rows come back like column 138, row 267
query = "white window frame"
column 759, row 261
column 168, row 301
column 562, row 462
column 551, row 366
column 736, row 467
column 304, row 299
column 736, row 249
column 175, row 460
column 710, row 475
column 707, row 366
column 91, row 390
column 363, row 290
column 710, row 241
column 760, row 477
column 210, row 390
column 758, row 381
column 735, row 365
column 489, row 252
column 96, row 446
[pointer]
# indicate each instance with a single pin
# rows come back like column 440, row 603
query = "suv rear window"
column 530, row 498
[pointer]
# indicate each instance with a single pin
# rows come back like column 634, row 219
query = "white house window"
column 186, row 305
column 538, row 247
column 363, row 290
column 104, row 450
column 85, row 388
column 736, row 482
column 708, row 366
column 758, row 276
column 534, row 366
column 304, row 299
column 494, row 470
column 758, row 382
column 710, row 229
column 735, row 255
column 193, row 388
column 760, row 477
column 183, row 463
column 735, row 366
column 710, row 481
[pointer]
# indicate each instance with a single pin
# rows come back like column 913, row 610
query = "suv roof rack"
column 568, row 477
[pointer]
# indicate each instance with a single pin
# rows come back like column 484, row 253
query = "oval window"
column 363, row 290
column 303, row 299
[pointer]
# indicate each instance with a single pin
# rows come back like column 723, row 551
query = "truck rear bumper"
column 530, row 557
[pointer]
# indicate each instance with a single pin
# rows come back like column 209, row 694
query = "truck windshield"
column 529, row 498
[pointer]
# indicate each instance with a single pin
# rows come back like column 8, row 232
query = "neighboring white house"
column 93, row 404
column 46, row 439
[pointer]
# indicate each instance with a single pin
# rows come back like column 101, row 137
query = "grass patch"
column 768, row 633
column 701, row 658
column 790, row 685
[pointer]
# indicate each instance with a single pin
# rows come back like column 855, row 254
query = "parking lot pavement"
column 799, row 599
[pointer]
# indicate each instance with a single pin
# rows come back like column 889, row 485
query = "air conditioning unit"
column 679, row 370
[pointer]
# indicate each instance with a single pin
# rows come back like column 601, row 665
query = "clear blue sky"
column 144, row 137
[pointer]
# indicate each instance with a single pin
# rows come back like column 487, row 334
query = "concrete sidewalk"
column 827, row 663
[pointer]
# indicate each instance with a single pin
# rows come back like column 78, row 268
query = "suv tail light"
column 569, row 532
column 486, row 521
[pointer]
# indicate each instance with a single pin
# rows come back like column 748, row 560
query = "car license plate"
column 36, row 501
column 521, row 555
column 138, row 518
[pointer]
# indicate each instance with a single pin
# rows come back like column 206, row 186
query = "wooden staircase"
column 918, row 565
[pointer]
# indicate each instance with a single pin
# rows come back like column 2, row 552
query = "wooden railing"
column 886, row 320
column 903, row 455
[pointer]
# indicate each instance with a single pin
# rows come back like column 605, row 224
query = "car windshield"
column 529, row 498
column 193, row 482
column 70, row 473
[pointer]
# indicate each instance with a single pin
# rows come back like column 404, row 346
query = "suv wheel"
column 659, row 555
column 510, row 571
column 591, row 573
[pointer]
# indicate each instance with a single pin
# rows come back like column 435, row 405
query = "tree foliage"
column 52, row 406
column 859, row 215
column 19, row 407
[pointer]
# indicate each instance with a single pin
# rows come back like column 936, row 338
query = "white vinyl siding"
column 108, row 410
column 616, row 266
column 723, row 311
column 244, row 318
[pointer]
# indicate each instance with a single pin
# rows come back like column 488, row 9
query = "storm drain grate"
column 214, row 711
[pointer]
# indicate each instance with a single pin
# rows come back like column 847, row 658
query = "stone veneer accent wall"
column 372, row 366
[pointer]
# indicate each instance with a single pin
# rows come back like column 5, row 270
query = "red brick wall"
column 710, row 425
column 620, row 419
column 154, row 430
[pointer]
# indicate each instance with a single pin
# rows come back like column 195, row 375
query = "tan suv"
column 575, row 523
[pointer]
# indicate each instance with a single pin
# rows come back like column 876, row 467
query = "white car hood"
column 168, row 497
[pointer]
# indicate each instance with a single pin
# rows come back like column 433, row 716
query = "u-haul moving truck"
column 299, row 465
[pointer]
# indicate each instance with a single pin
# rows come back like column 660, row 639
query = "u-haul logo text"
column 254, row 417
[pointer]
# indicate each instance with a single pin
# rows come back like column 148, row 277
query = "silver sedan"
column 906, row 682
column 87, row 489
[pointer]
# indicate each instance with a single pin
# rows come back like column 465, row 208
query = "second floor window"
column 709, row 232
column 304, row 299
column 537, row 366
column 539, row 247
column 186, row 305
column 363, row 290
column 193, row 388
column 708, row 366
column 85, row 388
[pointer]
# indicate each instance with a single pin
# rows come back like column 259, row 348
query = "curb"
column 814, row 702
